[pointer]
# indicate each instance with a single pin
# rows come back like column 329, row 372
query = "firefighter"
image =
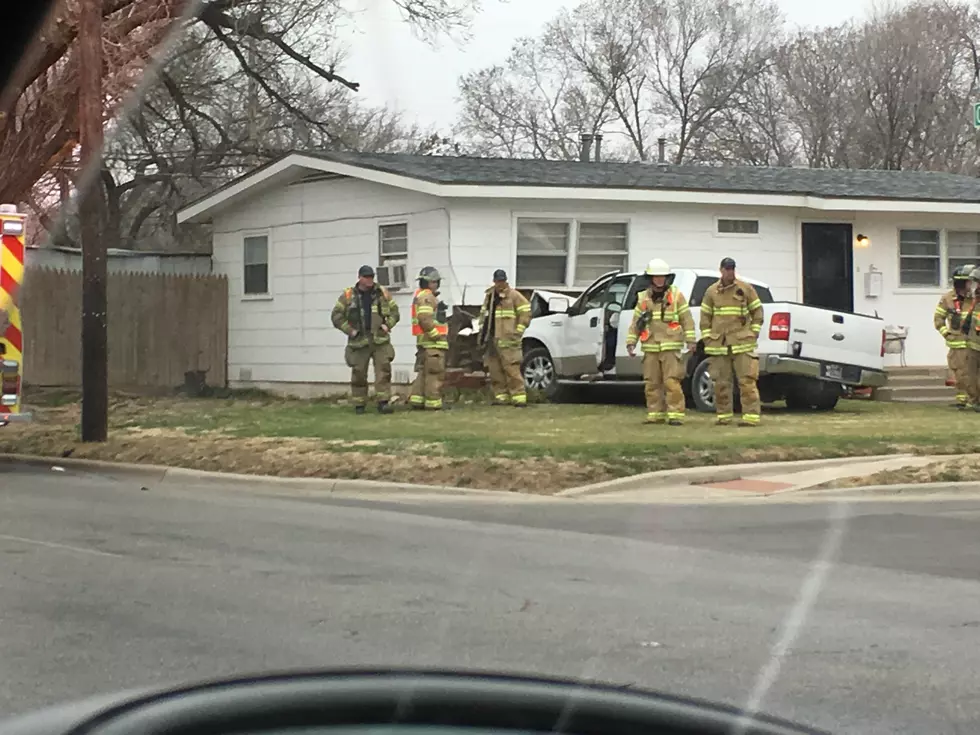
column 366, row 313
column 432, row 336
column 948, row 319
column 731, row 319
column 971, row 328
column 663, row 325
column 504, row 316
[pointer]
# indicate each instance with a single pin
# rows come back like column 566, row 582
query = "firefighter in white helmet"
column 663, row 325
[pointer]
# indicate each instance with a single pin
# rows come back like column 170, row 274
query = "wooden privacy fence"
column 160, row 327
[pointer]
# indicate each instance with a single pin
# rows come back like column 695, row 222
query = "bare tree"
column 289, row 49
column 703, row 54
column 531, row 106
column 914, row 79
column 635, row 68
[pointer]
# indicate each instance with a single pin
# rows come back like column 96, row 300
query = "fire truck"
column 12, row 227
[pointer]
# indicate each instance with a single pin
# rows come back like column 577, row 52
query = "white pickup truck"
column 806, row 353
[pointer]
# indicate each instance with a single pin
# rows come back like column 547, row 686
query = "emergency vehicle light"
column 13, row 227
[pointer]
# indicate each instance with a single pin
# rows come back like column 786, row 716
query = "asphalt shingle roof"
column 832, row 183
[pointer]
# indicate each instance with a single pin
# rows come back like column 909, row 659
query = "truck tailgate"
column 834, row 336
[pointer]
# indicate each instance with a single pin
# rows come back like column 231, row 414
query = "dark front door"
column 828, row 266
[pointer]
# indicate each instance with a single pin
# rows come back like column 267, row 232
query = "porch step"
column 920, row 384
column 920, row 372
column 917, row 393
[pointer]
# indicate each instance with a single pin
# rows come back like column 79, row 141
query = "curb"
column 162, row 474
column 722, row 473
column 922, row 488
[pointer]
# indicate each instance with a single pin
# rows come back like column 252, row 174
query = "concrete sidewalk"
column 743, row 480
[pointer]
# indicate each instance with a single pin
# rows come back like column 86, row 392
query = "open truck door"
column 12, row 230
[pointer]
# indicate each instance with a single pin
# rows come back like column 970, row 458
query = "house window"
column 962, row 248
column 256, row 257
column 919, row 258
column 602, row 247
column 738, row 226
column 542, row 253
column 392, row 243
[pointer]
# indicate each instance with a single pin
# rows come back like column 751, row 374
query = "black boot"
column 383, row 407
column 359, row 410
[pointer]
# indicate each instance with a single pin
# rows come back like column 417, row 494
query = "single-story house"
column 292, row 234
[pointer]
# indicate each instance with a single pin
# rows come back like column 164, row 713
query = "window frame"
column 718, row 219
column 544, row 219
column 579, row 221
column 382, row 257
column 571, row 255
column 267, row 294
column 942, row 258
column 944, row 238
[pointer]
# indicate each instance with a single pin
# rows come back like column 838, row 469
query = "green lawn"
column 563, row 444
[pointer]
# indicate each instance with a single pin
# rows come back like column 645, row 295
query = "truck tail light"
column 779, row 326
column 882, row 343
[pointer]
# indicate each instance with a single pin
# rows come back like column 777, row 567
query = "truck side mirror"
column 558, row 305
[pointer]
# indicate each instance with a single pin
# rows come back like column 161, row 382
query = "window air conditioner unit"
column 393, row 274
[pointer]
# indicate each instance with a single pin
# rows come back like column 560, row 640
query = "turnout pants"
column 358, row 359
column 662, row 376
column 506, row 381
column 745, row 368
column 430, row 369
column 971, row 375
column 958, row 361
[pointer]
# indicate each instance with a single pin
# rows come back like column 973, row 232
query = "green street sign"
column 976, row 114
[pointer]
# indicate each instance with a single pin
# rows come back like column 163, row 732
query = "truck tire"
column 827, row 401
column 538, row 370
column 703, row 390
column 808, row 394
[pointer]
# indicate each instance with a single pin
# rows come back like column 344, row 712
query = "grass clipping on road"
column 541, row 449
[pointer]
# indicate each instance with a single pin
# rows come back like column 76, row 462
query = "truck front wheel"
column 540, row 375
column 703, row 389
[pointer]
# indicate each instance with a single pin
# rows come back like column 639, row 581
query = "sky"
column 399, row 70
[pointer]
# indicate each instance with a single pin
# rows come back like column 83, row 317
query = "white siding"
column 484, row 237
column 319, row 233
column 911, row 307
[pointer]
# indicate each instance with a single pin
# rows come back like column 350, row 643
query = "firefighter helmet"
column 429, row 274
column 963, row 273
column 657, row 267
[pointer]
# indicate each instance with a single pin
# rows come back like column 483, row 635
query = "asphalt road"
column 106, row 586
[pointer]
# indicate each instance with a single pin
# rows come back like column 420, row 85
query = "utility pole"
column 95, row 354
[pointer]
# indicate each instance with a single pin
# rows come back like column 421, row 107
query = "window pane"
column 919, row 272
column 389, row 231
column 919, row 242
column 537, row 237
column 963, row 245
column 602, row 237
column 541, row 270
column 955, row 263
column 738, row 226
column 256, row 279
column 590, row 267
column 256, row 250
